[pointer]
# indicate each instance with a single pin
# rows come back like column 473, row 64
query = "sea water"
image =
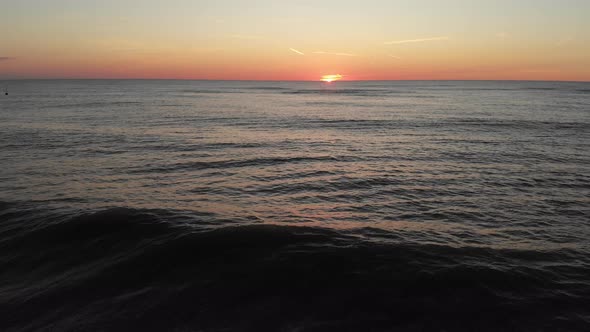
column 212, row 205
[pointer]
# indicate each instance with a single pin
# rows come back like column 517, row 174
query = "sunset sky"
column 296, row 40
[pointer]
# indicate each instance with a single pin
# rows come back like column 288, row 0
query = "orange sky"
column 299, row 40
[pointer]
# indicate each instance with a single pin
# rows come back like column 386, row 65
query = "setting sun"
column 331, row 78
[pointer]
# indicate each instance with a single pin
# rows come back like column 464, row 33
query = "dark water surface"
column 292, row 206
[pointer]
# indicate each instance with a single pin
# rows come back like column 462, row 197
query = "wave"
column 237, row 163
column 540, row 88
column 518, row 124
column 272, row 88
column 95, row 104
column 222, row 91
column 354, row 92
column 124, row 268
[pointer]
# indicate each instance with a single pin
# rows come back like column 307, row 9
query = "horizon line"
column 275, row 80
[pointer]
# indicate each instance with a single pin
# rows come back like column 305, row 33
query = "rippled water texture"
column 295, row 206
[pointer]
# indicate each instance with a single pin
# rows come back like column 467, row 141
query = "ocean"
column 294, row 206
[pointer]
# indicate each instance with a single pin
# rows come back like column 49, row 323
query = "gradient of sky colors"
column 296, row 40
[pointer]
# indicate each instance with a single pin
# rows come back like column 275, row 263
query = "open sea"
column 294, row 206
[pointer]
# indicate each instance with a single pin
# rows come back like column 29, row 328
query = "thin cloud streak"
column 395, row 57
column 296, row 51
column 331, row 53
column 407, row 41
column 6, row 58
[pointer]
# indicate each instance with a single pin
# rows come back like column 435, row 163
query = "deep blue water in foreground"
column 294, row 206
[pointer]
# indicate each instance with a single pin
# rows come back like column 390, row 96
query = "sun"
column 331, row 78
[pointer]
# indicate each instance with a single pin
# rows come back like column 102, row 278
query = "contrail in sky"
column 296, row 51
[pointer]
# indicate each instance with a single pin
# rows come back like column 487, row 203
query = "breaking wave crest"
column 124, row 268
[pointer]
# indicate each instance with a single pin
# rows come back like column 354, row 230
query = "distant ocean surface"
column 294, row 206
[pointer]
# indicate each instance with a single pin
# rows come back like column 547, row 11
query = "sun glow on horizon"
column 331, row 78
